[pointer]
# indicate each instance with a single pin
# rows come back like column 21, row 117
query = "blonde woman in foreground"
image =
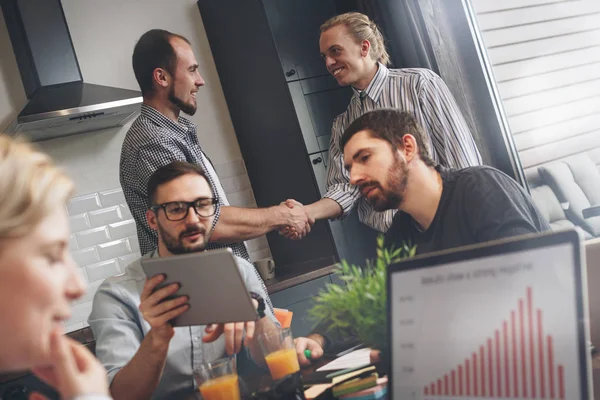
column 38, row 277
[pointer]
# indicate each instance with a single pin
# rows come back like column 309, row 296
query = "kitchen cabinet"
column 317, row 102
column 295, row 28
column 283, row 123
column 299, row 300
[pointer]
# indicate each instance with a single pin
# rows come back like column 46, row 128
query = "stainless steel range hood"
column 60, row 103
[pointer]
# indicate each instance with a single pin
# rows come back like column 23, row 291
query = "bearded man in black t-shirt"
column 439, row 208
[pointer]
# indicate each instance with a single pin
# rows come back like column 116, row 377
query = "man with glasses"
column 144, row 355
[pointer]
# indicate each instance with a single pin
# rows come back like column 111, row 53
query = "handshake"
column 297, row 221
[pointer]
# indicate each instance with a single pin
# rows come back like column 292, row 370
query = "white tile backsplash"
column 82, row 204
column 133, row 242
column 233, row 168
column 110, row 198
column 260, row 254
column 79, row 222
column 102, row 270
column 114, row 249
column 79, row 313
column 125, row 211
column 104, row 237
column 105, row 216
column 86, row 256
column 257, row 244
column 92, row 237
column 122, row 229
column 73, row 242
column 89, row 293
column 124, row 261
column 229, row 184
column 74, row 327
column 243, row 198
column 242, row 182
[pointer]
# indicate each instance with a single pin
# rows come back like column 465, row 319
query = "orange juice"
column 222, row 388
column 282, row 362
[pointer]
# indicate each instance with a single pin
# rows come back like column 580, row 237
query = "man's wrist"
column 276, row 217
column 260, row 309
column 158, row 341
column 317, row 337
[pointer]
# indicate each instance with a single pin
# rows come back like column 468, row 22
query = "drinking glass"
column 218, row 380
column 279, row 351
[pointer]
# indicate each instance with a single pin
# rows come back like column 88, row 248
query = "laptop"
column 505, row 319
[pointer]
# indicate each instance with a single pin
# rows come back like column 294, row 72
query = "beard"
column 176, row 245
column 188, row 108
column 396, row 181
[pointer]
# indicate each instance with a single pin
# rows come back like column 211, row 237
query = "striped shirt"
column 152, row 142
column 420, row 92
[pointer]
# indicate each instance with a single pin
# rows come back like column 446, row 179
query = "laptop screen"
column 504, row 321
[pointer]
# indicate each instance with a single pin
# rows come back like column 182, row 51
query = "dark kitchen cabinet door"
column 317, row 102
column 295, row 26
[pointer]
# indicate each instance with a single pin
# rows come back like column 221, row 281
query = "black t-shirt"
column 478, row 204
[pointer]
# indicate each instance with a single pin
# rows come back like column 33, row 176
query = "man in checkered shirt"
column 167, row 72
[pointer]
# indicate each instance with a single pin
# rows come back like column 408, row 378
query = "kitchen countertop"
column 292, row 275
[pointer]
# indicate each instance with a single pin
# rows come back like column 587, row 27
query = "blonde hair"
column 362, row 28
column 31, row 187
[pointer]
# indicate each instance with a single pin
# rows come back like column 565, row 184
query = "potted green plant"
column 357, row 308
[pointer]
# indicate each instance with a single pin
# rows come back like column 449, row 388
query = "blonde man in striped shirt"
column 354, row 53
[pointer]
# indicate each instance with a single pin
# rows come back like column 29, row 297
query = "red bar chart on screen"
column 535, row 374
column 507, row 327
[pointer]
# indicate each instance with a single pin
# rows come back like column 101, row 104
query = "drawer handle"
column 317, row 160
column 291, row 72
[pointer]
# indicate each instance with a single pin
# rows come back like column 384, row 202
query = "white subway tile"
column 260, row 254
column 114, row 197
column 102, row 270
column 257, row 243
column 79, row 223
column 229, row 185
column 134, row 243
column 114, row 249
column 105, row 216
column 242, row 182
column 125, row 211
column 74, row 327
column 85, row 256
column 73, row 242
column 79, row 313
column 82, row 204
column 243, row 198
column 124, row 261
column 122, row 229
column 90, row 292
column 233, row 168
column 92, row 237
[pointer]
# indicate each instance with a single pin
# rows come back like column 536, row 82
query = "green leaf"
column 357, row 307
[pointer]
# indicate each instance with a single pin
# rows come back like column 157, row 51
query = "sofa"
column 566, row 188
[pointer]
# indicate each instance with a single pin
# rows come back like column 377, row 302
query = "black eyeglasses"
column 178, row 210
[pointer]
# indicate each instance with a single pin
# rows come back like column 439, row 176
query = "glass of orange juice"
column 218, row 380
column 280, row 352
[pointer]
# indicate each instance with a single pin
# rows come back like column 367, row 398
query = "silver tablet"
column 212, row 281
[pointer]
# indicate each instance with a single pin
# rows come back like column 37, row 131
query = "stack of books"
column 361, row 388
